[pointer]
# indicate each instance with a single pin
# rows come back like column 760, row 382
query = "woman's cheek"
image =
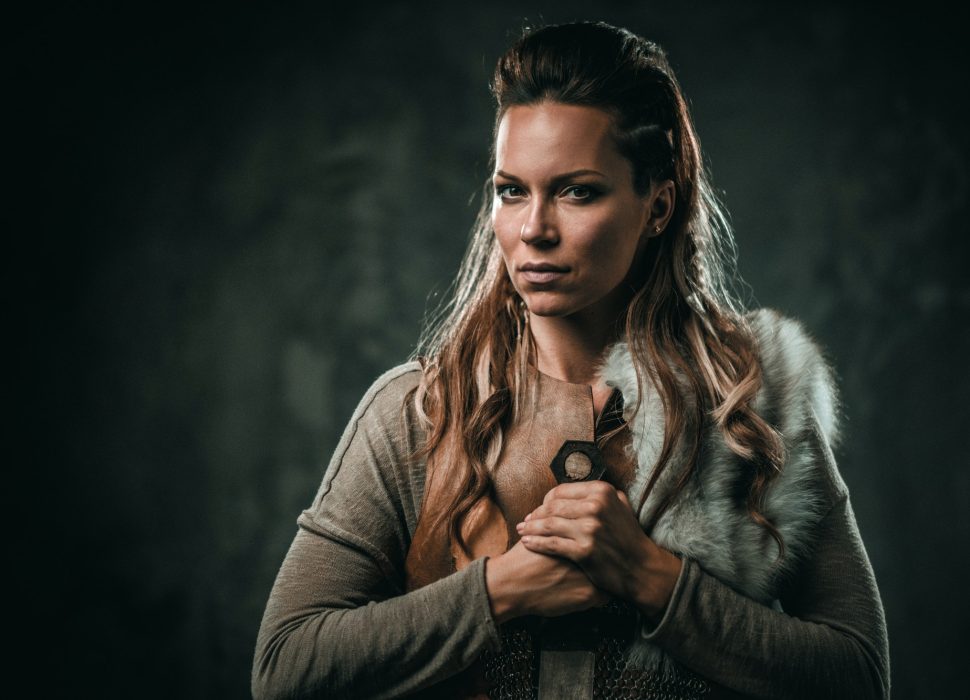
column 503, row 233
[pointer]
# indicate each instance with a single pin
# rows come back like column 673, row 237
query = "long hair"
column 684, row 320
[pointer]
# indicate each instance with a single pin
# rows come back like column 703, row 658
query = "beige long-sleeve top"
column 339, row 623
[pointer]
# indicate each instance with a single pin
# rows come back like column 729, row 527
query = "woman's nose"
column 538, row 227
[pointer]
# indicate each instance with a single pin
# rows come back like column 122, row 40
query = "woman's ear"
column 661, row 207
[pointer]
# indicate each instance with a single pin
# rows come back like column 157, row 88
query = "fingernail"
column 528, row 516
column 520, row 526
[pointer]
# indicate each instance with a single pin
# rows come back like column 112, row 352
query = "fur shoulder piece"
column 709, row 521
column 794, row 366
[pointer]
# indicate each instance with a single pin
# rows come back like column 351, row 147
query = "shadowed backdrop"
column 235, row 218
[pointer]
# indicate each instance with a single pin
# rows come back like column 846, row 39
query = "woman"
column 602, row 478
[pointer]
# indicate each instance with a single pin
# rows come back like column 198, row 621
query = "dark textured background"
column 225, row 223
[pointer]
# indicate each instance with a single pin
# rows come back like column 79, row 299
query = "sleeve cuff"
column 655, row 632
column 481, row 601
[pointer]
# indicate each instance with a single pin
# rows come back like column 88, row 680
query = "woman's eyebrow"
column 555, row 179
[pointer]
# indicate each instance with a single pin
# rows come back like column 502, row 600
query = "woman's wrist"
column 502, row 596
column 656, row 579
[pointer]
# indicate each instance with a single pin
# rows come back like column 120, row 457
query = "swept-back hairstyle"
column 684, row 320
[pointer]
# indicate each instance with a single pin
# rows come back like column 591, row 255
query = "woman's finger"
column 567, row 508
column 554, row 546
column 552, row 526
column 580, row 489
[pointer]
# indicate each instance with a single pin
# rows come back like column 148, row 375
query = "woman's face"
column 565, row 213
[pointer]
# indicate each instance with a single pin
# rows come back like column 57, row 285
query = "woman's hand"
column 592, row 524
column 521, row 582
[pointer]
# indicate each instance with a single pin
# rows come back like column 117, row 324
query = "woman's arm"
column 338, row 621
column 829, row 642
column 334, row 628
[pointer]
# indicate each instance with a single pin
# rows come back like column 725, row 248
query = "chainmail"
column 513, row 672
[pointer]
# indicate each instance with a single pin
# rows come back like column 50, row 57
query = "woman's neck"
column 571, row 348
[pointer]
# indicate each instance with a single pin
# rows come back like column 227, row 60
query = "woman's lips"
column 541, row 276
column 541, row 273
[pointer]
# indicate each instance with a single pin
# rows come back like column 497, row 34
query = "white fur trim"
column 708, row 522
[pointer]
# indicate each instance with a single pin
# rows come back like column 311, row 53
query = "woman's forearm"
column 329, row 641
column 764, row 653
column 830, row 641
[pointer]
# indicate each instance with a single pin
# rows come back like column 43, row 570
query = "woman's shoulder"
column 393, row 385
column 799, row 387
column 388, row 406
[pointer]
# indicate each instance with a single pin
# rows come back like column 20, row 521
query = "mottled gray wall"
column 232, row 220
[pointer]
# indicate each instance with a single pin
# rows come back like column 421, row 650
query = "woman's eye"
column 508, row 191
column 579, row 192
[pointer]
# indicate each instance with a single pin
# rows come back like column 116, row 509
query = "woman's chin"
column 546, row 309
